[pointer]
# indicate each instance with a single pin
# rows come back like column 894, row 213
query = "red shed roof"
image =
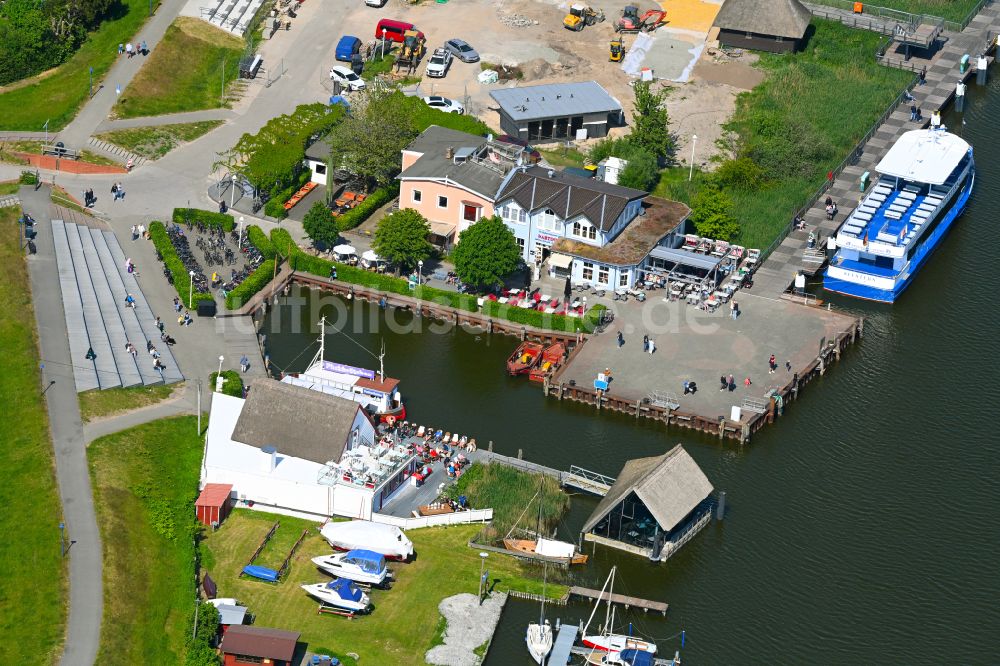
column 385, row 385
column 214, row 494
column 260, row 642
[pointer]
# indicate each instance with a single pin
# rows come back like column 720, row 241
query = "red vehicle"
column 524, row 358
column 393, row 31
column 552, row 358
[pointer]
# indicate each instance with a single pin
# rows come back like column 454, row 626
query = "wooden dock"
column 621, row 599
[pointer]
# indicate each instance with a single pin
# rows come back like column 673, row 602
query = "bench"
column 60, row 151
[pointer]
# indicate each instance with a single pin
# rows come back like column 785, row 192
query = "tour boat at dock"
column 552, row 358
column 524, row 358
column 378, row 394
column 925, row 182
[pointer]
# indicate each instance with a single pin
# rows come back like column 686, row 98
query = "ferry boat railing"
column 852, row 158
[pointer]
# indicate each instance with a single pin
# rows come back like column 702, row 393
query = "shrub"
column 367, row 208
column 320, row 226
column 206, row 217
column 250, row 286
column 257, row 238
column 711, row 213
column 275, row 206
column 161, row 241
column 534, row 318
column 29, row 178
column 741, row 174
column 232, row 383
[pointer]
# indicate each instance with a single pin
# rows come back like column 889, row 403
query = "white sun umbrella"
column 370, row 256
column 344, row 249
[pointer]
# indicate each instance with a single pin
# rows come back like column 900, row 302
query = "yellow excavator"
column 580, row 16
column 411, row 51
column 616, row 51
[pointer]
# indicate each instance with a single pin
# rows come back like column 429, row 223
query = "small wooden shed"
column 213, row 504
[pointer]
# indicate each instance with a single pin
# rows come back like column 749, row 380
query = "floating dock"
column 565, row 640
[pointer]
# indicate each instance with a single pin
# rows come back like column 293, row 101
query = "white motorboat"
column 607, row 641
column 539, row 635
column 340, row 593
column 361, row 566
column 388, row 540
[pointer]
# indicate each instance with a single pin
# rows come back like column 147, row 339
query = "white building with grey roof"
column 553, row 111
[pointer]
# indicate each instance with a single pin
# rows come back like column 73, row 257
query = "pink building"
column 452, row 178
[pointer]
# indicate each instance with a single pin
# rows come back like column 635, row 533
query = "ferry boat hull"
column 880, row 266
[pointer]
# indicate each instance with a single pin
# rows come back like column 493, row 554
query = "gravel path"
column 469, row 626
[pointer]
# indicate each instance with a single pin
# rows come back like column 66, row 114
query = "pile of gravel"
column 469, row 626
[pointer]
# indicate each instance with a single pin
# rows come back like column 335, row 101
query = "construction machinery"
column 616, row 50
column 411, row 51
column 632, row 22
column 580, row 16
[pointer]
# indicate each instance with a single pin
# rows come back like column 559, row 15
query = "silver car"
column 462, row 50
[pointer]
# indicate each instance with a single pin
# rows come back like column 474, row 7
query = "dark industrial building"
column 778, row 26
column 558, row 111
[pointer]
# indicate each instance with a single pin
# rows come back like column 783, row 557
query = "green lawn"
column 564, row 157
column 402, row 626
column 145, row 481
column 184, row 72
column 57, row 96
column 32, row 591
column 96, row 404
column 155, row 142
column 953, row 10
column 9, row 188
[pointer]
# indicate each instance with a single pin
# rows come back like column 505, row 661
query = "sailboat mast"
column 545, row 576
column 322, row 339
column 381, row 365
column 598, row 602
column 607, row 613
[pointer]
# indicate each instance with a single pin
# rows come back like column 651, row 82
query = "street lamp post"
column 221, row 359
column 420, row 271
column 241, row 233
column 694, row 142
column 91, row 81
column 232, row 198
column 191, row 290
column 482, row 574
column 62, row 539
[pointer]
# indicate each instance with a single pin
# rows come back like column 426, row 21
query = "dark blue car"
column 347, row 47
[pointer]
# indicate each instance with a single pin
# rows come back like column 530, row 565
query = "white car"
column 347, row 78
column 439, row 62
column 444, row 104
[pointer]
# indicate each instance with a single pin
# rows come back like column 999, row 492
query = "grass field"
column 184, row 72
column 57, row 96
column 155, row 142
column 402, row 626
column 32, row 592
column 953, row 10
column 97, row 404
column 564, row 157
column 145, row 482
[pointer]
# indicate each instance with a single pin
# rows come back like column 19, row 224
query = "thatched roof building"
column 763, row 25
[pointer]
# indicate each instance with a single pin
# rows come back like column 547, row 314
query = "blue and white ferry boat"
column 924, row 184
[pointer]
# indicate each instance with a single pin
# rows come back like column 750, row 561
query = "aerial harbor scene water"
column 424, row 332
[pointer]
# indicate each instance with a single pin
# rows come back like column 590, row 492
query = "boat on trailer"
column 552, row 358
column 341, row 594
column 361, row 566
column 387, row 540
column 924, row 184
column 524, row 358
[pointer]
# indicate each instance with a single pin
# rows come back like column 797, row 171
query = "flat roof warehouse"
column 555, row 99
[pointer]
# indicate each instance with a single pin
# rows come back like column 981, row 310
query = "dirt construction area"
column 529, row 35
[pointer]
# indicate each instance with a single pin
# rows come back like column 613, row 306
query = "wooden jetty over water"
column 620, row 599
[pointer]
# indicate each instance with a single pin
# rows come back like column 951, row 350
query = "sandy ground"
column 469, row 626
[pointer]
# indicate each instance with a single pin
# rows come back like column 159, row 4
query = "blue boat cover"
column 636, row 657
column 369, row 561
column 345, row 589
column 260, row 572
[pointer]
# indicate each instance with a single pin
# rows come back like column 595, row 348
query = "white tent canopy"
column 369, row 255
column 345, row 249
column 924, row 156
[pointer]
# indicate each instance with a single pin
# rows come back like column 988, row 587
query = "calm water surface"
column 861, row 528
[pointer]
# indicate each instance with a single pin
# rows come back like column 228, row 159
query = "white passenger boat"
column 606, row 641
column 361, row 566
column 925, row 182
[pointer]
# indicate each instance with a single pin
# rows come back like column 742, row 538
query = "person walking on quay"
column 651, row 346
column 645, row 343
column 747, row 382
column 734, row 309
column 621, row 339
column 244, row 363
column 177, row 304
column 129, row 50
column 772, row 365
column 923, row 75
column 913, row 112
column 731, row 382
column 114, row 193
column 788, row 366
column 135, row 232
column 723, row 382
column 159, row 324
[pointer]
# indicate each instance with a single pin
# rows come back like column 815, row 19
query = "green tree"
column 368, row 143
column 711, row 213
column 641, row 172
column 650, row 122
column 320, row 225
column 486, row 254
column 199, row 647
column 401, row 238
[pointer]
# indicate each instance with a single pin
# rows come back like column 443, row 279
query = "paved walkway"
column 94, row 112
column 86, row 596
column 183, row 401
column 779, row 269
column 167, row 119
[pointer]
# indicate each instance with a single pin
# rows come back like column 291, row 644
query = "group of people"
column 117, row 191
column 89, row 198
column 130, row 49
column 831, row 208
column 730, row 383
column 139, row 231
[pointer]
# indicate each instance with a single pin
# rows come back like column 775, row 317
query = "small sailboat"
column 539, row 548
column 607, row 641
column 341, row 594
column 539, row 636
column 361, row 566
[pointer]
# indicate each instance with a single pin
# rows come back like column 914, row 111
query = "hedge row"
column 367, row 208
column 275, row 206
column 206, row 217
column 300, row 261
column 232, row 383
column 250, row 286
column 182, row 283
column 257, row 238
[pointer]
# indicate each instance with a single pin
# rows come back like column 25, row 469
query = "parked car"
column 533, row 154
column 461, row 49
column 347, row 78
column 393, row 30
column 376, row 3
column 444, row 104
column 438, row 63
column 346, row 48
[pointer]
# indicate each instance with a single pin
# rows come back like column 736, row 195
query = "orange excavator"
column 631, row 22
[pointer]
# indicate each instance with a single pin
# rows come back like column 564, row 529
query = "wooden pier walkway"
column 621, row 599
